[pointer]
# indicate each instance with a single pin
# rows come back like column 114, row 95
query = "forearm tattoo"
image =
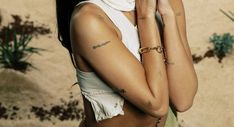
column 119, row 90
column 178, row 13
column 101, row 44
column 169, row 62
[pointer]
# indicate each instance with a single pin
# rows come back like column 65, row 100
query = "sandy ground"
column 213, row 105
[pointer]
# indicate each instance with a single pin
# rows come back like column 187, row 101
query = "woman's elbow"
column 182, row 107
column 185, row 103
column 159, row 110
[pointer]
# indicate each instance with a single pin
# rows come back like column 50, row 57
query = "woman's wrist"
column 167, row 12
column 145, row 9
column 146, row 16
column 168, row 18
column 165, row 8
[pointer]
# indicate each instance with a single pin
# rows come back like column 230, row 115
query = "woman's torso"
column 133, row 117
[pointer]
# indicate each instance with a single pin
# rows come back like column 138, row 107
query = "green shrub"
column 222, row 44
column 14, row 54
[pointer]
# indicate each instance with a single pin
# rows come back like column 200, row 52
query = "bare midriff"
column 133, row 117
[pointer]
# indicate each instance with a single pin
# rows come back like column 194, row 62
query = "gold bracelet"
column 142, row 50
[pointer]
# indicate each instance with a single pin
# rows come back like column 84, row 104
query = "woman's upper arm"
column 105, row 52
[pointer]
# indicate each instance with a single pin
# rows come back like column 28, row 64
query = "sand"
column 213, row 105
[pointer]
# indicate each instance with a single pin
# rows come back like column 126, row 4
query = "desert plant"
column 14, row 54
column 222, row 44
column 229, row 14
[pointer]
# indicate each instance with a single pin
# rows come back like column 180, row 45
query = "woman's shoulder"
column 87, row 11
column 90, row 16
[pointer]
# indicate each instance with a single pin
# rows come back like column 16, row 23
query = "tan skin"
column 138, row 116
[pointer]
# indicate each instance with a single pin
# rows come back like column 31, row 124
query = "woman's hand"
column 146, row 8
column 164, row 7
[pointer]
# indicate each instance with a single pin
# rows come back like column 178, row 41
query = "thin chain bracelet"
column 142, row 50
column 159, row 49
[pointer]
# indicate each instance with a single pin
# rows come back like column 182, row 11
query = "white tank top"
column 105, row 102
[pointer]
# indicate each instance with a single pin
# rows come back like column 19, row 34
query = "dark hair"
column 64, row 9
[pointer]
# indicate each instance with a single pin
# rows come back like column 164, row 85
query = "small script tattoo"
column 101, row 44
column 119, row 90
column 178, row 13
column 169, row 63
column 122, row 91
column 141, row 18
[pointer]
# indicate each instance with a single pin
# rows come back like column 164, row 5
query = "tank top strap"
column 116, row 16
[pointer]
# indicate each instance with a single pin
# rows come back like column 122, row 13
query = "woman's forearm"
column 178, row 9
column 181, row 74
column 153, row 61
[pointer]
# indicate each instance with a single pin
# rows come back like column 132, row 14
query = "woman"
column 127, row 72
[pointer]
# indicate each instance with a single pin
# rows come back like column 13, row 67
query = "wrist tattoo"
column 169, row 63
column 101, row 44
column 142, row 17
column 145, row 17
